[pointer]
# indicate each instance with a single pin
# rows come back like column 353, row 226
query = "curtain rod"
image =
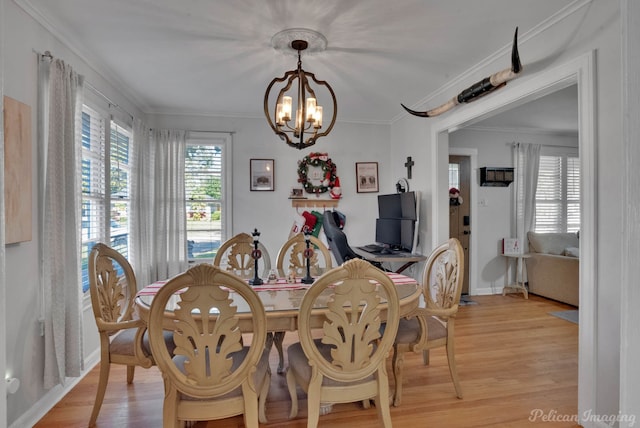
column 545, row 145
column 107, row 99
column 91, row 88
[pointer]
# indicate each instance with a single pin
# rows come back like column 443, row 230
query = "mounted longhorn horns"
column 483, row 87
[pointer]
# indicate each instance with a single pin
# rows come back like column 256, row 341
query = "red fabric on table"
column 280, row 284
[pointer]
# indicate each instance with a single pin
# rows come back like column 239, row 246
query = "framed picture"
column 367, row 177
column 261, row 171
column 296, row 193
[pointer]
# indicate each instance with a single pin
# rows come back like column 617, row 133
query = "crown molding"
column 56, row 29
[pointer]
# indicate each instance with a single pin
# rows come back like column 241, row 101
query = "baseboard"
column 54, row 395
column 487, row 291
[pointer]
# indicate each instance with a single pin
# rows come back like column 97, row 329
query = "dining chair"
column 123, row 339
column 432, row 325
column 214, row 373
column 235, row 255
column 291, row 257
column 345, row 361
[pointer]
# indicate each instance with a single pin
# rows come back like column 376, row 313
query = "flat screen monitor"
column 389, row 206
column 388, row 231
column 407, row 229
column 408, row 205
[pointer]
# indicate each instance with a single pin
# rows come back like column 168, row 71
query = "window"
column 98, row 224
column 454, row 175
column 205, row 197
column 558, row 194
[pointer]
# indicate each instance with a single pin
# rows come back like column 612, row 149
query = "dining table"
column 281, row 300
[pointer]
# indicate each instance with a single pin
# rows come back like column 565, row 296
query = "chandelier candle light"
column 299, row 127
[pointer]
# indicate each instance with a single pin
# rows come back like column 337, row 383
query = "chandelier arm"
column 333, row 99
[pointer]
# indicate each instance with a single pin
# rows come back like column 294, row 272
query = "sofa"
column 553, row 266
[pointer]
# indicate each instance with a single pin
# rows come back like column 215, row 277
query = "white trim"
column 473, row 242
column 580, row 70
column 630, row 270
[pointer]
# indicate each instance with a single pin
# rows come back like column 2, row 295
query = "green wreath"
column 328, row 172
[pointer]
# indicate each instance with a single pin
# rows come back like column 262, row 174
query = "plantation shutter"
column 93, row 186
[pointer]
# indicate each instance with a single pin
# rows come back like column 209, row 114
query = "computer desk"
column 407, row 259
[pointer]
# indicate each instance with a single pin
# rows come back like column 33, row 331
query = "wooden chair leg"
column 131, row 371
column 398, row 372
column 425, row 357
column 262, row 398
column 170, row 409
column 313, row 404
column 291, row 385
column 102, row 388
column 382, row 402
column 278, row 338
column 251, row 407
column 451, row 358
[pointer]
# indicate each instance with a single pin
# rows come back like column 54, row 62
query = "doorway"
column 460, row 208
column 580, row 71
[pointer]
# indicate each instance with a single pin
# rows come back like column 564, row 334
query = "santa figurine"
column 336, row 190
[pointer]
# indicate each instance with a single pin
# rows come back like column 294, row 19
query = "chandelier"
column 297, row 115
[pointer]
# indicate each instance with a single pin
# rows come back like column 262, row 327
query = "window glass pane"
column 203, row 188
column 454, row 175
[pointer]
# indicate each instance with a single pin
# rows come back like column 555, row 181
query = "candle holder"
column 255, row 254
column 308, row 254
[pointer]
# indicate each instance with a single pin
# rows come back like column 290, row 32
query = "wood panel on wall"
column 17, row 171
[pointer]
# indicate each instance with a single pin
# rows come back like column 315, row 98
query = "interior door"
column 460, row 212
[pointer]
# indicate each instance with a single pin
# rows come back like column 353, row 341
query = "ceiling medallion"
column 297, row 115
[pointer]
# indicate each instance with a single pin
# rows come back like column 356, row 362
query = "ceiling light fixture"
column 297, row 115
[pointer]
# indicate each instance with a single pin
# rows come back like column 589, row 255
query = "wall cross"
column 409, row 163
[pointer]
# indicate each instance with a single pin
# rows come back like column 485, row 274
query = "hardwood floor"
column 513, row 359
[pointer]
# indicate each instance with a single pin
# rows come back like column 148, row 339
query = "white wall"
column 493, row 217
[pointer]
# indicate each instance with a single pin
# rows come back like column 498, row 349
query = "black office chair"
column 337, row 240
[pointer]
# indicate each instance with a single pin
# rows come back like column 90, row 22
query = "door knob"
column 467, row 232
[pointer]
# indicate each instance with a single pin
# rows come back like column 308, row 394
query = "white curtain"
column 159, row 221
column 60, row 109
column 526, row 160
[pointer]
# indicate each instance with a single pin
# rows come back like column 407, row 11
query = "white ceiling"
column 215, row 57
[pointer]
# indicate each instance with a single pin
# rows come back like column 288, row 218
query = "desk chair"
column 433, row 325
column 348, row 362
column 212, row 375
column 292, row 252
column 123, row 340
column 234, row 256
column 337, row 240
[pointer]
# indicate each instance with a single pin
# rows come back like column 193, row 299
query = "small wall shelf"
column 495, row 177
column 313, row 202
